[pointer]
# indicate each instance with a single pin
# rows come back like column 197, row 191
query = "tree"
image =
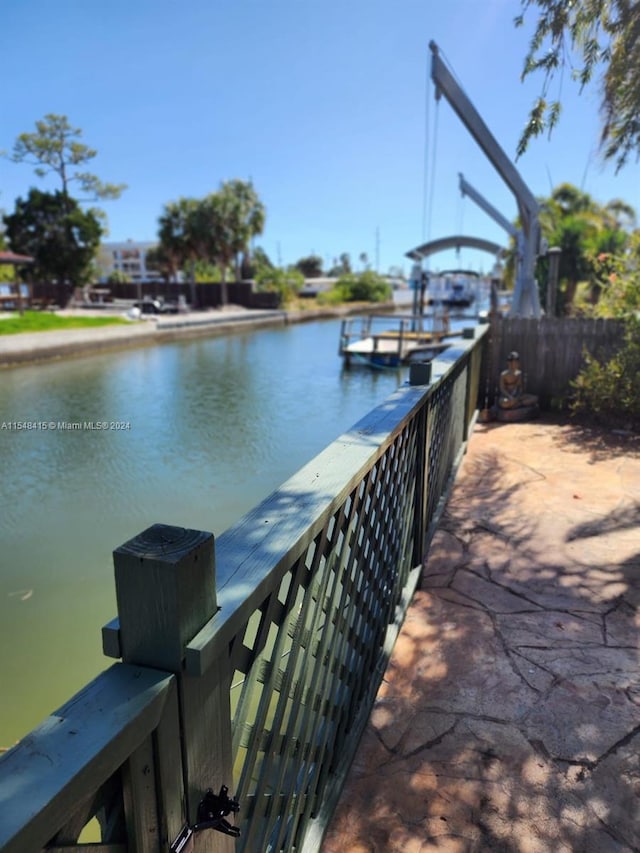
column 396, row 272
column 175, row 241
column 54, row 147
column 593, row 37
column 179, row 241
column 234, row 215
column 341, row 266
column 584, row 230
column 159, row 260
column 216, row 229
column 254, row 262
column 310, row 266
column 60, row 236
column 7, row 271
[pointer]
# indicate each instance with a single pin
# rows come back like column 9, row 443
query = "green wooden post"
column 421, row 476
column 468, row 389
column 166, row 592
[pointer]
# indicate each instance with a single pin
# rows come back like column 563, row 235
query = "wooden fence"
column 253, row 664
column 551, row 352
column 207, row 295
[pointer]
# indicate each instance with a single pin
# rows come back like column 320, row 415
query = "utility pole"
column 377, row 248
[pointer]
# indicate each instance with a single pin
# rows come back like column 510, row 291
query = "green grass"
column 41, row 321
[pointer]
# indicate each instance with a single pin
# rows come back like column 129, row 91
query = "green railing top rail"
column 251, row 551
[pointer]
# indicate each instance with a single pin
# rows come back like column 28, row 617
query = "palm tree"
column 583, row 229
column 236, row 216
column 217, row 229
column 177, row 236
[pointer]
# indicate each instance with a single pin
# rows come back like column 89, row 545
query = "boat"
column 453, row 288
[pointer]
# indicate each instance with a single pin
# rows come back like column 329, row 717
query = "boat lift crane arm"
column 490, row 210
column 474, row 195
column 526, row 301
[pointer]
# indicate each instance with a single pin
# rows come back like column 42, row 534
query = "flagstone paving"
column 509, row 714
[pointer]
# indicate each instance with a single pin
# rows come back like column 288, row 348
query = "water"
column 210, row 428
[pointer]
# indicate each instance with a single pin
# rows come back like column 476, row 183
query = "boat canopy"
column 455, row 242
column 472, row 273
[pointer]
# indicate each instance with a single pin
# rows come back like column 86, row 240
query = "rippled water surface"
column 214, row 425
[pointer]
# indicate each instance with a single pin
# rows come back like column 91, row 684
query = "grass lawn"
column 42, row 321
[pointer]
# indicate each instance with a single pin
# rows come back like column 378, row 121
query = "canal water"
column 196, row 434
column 192, row 434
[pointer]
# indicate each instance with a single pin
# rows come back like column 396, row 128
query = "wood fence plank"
column 74, row 751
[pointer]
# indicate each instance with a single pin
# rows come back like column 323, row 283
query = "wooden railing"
column 252, row 664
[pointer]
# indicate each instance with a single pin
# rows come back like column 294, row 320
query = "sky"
column 326, row 105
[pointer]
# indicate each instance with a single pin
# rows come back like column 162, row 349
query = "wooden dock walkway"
column 392, row 340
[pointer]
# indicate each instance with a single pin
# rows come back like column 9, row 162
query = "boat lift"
column 526, row 301
column 467, row 190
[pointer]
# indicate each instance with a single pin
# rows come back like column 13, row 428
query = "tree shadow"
column 581, row 436
column 509, row 715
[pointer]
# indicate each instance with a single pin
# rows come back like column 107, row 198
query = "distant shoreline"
column 37, row 347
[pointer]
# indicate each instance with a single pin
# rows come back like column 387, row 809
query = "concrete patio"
column 509, row 715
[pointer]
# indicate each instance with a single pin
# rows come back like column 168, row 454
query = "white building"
column 128, row 257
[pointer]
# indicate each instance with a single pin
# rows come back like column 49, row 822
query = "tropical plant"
column 216, row 229
column 235, row 215
column 583, row 229
column 181, row 237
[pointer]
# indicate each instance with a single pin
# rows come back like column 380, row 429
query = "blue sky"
column 322, row 103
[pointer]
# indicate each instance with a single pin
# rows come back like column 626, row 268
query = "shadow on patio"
column 509, row 716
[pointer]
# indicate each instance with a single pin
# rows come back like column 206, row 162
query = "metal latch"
column 212, row 812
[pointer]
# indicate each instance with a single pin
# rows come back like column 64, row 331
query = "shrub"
column 610, row 391
column 366, row 286
column 277, row 280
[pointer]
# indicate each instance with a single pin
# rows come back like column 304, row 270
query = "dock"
column 393, row 340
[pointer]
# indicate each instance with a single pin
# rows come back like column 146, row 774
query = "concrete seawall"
column 33, row 347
